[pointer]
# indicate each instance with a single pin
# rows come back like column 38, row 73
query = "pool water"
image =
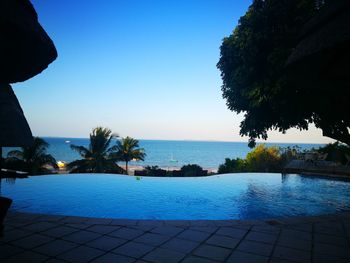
column 229, row 196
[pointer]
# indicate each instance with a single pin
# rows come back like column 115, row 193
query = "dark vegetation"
column 190, row 170
column 257, row 82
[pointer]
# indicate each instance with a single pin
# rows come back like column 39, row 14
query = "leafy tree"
column 233, row 166
column 99, row 157
column 255, row 80
column 128, row 149
column 191, row 170
column 33, row 159
column 264, row 159
column 336, row 152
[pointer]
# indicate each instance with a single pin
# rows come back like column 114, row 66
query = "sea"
column 169, row 153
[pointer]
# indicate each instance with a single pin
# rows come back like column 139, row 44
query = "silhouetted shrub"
column 191, row 170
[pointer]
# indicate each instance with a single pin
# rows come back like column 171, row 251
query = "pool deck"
column 46, row 238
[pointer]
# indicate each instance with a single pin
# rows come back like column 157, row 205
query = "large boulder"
column 25, row 48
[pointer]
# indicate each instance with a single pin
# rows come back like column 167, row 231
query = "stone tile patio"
column 44, row 238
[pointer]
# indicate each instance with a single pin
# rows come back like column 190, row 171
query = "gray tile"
column 55, row 260
column 164, row 255
column 332, row 240
column 180, row 245
column 238, row 257
column 32, row 241
column 231, row 232
column 106, row 243
column 113, row 258
column 7, row 251
column 27, row 257
column 194, row 259
column 98, row 221
column 126, row 233
column 55, row 247
column 322, row 258
column 212, row 252
column 81, row 237
column 223, row 241
column 59, row 231
column 40, row 226
column 261, row 237
column 133, row 249
column 292, row 254
column 253, row 247
column 102, row 229
column 15, row 234
column 207, row 229
column 152, row 239
column 328, row 249
column 167, row 230
column 193, row 235
column 81, row 254
column 266, row 229
column 291, row 233
column 295, row 243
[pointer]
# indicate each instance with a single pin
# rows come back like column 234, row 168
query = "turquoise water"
column 230, row 196
column 206, row 154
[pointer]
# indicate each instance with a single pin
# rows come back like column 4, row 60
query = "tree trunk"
column 126, row 167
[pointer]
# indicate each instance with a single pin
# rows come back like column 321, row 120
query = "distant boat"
column 67, row 141
column 172, row 160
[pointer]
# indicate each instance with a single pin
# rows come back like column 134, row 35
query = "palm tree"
column 128, row 149
column 99, row 157
column 32, row 159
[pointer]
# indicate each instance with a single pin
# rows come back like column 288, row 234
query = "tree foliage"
column 99, row 157
column 255, row 82
column 128, row 149
column 33, row 159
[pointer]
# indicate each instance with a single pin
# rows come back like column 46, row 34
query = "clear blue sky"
column 143, row 68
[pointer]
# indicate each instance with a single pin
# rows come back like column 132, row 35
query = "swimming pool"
column 229, row 196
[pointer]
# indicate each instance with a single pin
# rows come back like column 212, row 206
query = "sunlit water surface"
column 230, row 196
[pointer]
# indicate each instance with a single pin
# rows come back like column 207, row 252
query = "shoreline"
column 133, row 168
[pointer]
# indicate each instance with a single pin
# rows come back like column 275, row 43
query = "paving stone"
column 281, row 260
column 15, row 234
column 133, row 249
column 292, row 254
column 81, row 237
column 32, row 241
column 164, row 255
column 291, row 233
column 207, row 229
column 40, row 226
column 193, row 235
column 102, row 229
column 74, row 220
column 124, row 222
column 333, row 240
column 7, row 251
column 98, row 221
column 106, row 243
column 180, row 245
column 261, row 237
column 179, row 223
column 253, row 247
column 301, row 227
column 295, row 243
column 320, row 248
column 150, row 223
column 231, row 232
column 266, row 229
column 27, row 257
column 322, row 258
column 59, row 231
column 81, row 254
column 167, row 230
column 55, row 247
column 144, row 228
column 194, row 259
column 113, row 258
column 223, row 241
column 55, row 260
column 78, row 226
column 126, row 233
column 238, row 257
column 152, row 239
column 212, row 252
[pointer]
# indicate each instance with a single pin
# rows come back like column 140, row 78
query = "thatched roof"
column 14, row 129
column 25, row 48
